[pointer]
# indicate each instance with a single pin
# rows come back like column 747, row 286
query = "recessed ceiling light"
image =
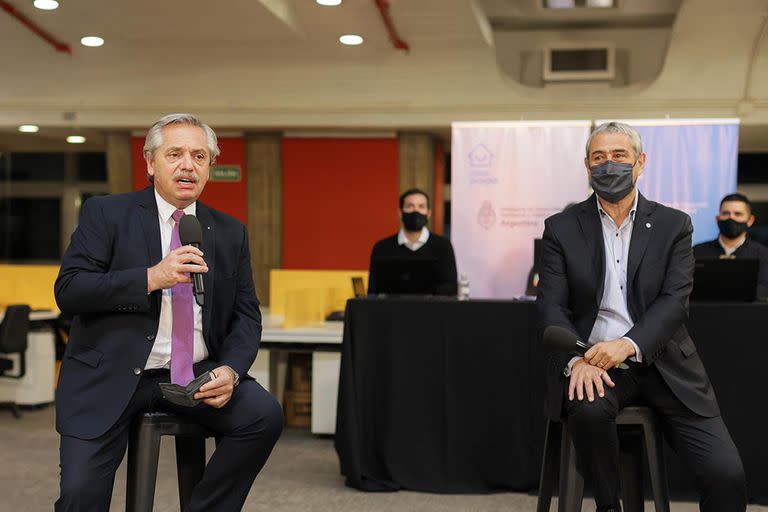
column 75, row 139
column 91, row 41
column 331, row 3
column 351, row 39
column 46, row 5
column 29, row 128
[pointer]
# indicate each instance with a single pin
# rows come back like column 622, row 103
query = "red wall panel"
column 225, row 196
column 339, row 198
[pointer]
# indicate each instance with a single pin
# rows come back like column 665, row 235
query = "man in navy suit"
column 125, row 278
column 617, row 270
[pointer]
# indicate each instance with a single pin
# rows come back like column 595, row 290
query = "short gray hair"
column 155, row 134
column 617, row 127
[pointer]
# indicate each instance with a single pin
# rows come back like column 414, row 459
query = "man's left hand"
column 218, row 390
column 609, row 354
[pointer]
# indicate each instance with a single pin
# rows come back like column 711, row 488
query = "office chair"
column 13, row 340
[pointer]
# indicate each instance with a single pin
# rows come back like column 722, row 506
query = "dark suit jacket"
column 103, row 282
column 748, row 250
column 659, row 280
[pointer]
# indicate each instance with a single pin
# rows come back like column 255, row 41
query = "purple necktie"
column 183, row 330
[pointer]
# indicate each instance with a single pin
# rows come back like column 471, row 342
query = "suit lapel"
column 209, row 255
column 591, row 228
column 641, row 233
column 151, row 226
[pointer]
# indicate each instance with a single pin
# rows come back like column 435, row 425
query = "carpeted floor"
column 301, row 475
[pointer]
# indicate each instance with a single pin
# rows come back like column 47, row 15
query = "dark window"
column 92, row 167
column 35, row 166
column 753, row 167
column 30, row 229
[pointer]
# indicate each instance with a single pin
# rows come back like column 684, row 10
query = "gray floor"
column 302, row 475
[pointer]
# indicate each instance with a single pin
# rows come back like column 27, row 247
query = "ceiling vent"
column 579, row 62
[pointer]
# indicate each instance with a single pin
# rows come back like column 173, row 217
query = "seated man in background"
column 414, row 241
column 733, row 220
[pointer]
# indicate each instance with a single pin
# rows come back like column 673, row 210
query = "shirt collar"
column 731, row 251
column 631, row 211
column 166, row 209
column 423, row 237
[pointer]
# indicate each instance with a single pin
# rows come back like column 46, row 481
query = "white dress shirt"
column 160, row 357
column 418, row 244
column 729, row 251
column 613, row 319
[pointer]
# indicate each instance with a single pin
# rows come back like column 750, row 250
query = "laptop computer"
column 725, row 280
column 406, row 276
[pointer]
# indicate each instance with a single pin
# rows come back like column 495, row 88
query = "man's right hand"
column 175, row 268
column 585, row 378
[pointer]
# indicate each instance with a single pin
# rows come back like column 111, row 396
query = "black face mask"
column 612, row 181
column 730, row 228
column 414, row 221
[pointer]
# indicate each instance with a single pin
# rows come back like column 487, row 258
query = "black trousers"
column 249, row 425
column 703, row 444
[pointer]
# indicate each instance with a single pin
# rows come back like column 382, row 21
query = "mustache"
column 178, row 175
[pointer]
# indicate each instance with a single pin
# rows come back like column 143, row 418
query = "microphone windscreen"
column 190, row 232
column 561, row 339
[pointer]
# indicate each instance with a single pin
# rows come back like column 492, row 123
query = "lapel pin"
column 647, row 224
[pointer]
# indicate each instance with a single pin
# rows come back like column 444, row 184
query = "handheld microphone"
column 190, row 233
column 563, row 340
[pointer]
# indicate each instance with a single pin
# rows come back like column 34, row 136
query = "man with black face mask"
column 617, row 270
column 414, row 241
column 733, row 220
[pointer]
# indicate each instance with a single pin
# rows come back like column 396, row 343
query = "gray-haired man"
column 618, row 270
column 125, row 278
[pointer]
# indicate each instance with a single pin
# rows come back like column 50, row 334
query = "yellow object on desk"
column 305, row 297
column 28, row 284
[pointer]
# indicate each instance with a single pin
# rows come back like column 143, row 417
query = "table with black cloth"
column 446, row 396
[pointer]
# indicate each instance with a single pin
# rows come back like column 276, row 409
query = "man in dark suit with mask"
column 126, row 279
column 617, row 271
column 734, row 219
column 415, row 241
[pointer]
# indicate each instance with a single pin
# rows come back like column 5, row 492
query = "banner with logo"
column 506, row 178
column 690, row 165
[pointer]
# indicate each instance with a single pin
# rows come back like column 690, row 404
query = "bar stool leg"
column 657, row 467
column 632, row 472
column 143, row 455
column 549, row 466
column 190, row 464
column 571, row 481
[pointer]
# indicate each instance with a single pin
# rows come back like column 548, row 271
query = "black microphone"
column 190, row 233
column 561, row 339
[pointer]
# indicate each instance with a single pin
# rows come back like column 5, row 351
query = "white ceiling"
column 276, row 64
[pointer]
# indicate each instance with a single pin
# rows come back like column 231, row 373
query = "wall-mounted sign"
column 225, row 173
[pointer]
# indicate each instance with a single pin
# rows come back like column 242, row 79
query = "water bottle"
column 463, row 287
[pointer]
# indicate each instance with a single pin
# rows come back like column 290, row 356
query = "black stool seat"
column 144, row 452
column 631, row 421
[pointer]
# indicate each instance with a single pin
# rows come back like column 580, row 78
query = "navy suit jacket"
column 659, row 281
column 103, row 283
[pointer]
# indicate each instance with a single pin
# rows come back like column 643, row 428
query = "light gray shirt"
column 613, row 318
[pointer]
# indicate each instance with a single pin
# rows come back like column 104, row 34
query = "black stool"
column 144, row 452
column 572, row 482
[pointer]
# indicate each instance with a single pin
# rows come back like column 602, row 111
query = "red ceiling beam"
column 34, row 27
column 398, row 43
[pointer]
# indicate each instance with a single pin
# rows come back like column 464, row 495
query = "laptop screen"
column 725, row 280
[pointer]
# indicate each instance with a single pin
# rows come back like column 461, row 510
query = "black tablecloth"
column 446, row 396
